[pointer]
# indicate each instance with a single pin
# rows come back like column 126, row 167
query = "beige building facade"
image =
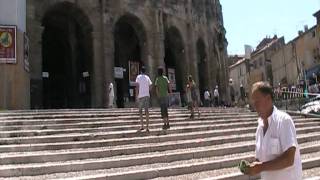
column 297, row 60
column 260, row 61
column 77, row 47
column 239, row 73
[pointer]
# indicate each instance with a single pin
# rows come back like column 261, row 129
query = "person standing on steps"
column 162, row 85
column 192, row 97
column 277, row 149
column 207, row 98
column 216, row 96
column 111, row 95
column 143, row 86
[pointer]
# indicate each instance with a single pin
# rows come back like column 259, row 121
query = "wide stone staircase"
column 105, row 144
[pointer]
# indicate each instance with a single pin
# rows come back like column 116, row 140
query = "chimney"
column 306, row 28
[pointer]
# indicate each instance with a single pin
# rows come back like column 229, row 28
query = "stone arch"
column 175, row 60
column 130, row 53
column 202, row 67
column 67, row 57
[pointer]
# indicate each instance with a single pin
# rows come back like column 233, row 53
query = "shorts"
column 144, row 102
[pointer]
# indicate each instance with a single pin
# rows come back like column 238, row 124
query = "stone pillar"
column 15, row 77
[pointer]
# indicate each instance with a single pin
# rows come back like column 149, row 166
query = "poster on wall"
column 133, row 71
column 175, row 99
column 172, row 78
column 8, row 43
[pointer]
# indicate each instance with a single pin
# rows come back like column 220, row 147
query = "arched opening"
column 129, row 43
column 202, row 66
column 66, row 57
column 175, row 60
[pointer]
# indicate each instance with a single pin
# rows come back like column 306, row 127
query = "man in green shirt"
column 162, row 86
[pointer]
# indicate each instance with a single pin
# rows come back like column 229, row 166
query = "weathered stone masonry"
column 77, row 43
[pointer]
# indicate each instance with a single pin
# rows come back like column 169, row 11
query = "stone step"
column 210, row 139
column 131, row 133
column 190, row 147
column 114, row 121
column 113, row 110
column 7, row 122
column 120, row 122
column 153, row 125
column 107, row 114
column 310, row 166
column 98, row 169
column 97, row 122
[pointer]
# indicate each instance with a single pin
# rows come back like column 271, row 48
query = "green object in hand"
column 243, row 165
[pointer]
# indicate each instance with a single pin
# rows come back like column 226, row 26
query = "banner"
column 8, row 42
column 172, row 78
column 175, row 99
column 133, row 71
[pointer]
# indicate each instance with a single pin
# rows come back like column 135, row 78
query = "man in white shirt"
column 216, row 96
column 143, row 86
column 206, row 98
column 111, row 95
column 277, row 150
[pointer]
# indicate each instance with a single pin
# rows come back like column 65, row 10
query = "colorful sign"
column 133, row 71
column 172, row 78
column 8, row 43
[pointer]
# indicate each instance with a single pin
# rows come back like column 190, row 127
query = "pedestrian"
column 111, row 95
column 216, row 96
column 143, row 86
column 162, row 85
column 277, row 150
column 192, row 97
column 206, row 98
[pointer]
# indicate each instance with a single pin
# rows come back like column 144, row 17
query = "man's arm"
column 283, row 161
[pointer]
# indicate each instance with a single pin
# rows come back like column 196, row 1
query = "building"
column 78, row 46
column 239, row 73
column 297, row 60
column 260, row 61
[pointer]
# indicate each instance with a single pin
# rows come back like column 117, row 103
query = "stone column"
column 15, row 77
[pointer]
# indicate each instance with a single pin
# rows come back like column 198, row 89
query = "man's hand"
column 253, row 169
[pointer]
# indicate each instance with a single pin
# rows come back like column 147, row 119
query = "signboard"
column 133, row 71
column 175, row 99
column 8, row 43
column 172, row 78
column 118, row 72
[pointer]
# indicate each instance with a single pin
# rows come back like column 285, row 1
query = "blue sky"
column 249, row 21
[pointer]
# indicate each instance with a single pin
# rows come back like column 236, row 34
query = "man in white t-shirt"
column 111, row 95
column 216, row 96
column 206, row 98
column 277, row 150
column 143, row 86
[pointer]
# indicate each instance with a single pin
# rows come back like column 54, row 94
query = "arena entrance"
column 66, row 57
column 202, row 68
column 175, row 63
column 129, row 43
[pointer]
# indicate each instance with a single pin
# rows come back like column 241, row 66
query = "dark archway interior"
column 201, row 55
column 174, row 59
column 127, row 49
column 67, row 58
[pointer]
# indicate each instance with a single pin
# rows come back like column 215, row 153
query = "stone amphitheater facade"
column 76, row 45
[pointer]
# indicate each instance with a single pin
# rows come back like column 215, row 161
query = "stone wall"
column 194, row 20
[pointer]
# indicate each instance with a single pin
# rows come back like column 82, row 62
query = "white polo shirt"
column 144, row 85
column 280, row 136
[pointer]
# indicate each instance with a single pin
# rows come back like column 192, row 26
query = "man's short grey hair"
column 263, row 87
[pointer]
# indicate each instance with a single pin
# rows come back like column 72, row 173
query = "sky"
column 249, row 21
